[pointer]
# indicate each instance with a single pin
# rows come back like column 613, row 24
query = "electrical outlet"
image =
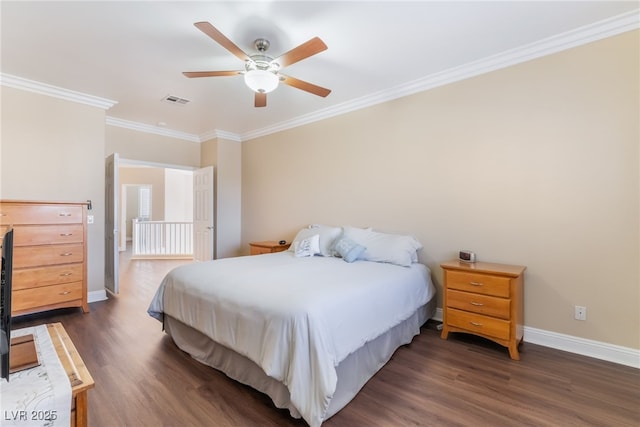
column 580, row 312
column 89, row 219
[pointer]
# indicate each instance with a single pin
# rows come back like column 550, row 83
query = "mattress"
column 353, row 372
column 296, row 319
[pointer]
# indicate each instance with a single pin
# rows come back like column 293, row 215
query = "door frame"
column 117, row 191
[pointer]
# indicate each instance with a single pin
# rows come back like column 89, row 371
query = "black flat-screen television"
column 5, row 302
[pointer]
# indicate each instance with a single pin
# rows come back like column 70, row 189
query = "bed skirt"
column 353, row 372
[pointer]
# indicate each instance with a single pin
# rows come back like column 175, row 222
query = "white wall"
column 178, row 199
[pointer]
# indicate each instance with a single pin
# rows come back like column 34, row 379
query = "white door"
column 123, row 218
column 203, row 214
column 111, row 223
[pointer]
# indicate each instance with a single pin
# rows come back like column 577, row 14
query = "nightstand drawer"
column 478, row 324
column 476, row 303
column 478, row 283
column 267, row 247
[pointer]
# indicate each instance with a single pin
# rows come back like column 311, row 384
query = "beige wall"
column 147, row 176
column 536, row 164
column 53, row 149
column 134, row 145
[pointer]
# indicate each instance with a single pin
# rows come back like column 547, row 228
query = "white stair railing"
column 162, row 239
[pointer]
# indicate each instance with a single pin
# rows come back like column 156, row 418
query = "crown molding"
column 220, row 134
column 606, row 28
column 54, row 91
column 157, row 130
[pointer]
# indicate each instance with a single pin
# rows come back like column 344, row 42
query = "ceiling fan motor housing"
column 261, row 45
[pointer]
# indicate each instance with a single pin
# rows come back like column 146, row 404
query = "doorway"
column 135, row 203
column 167, row 189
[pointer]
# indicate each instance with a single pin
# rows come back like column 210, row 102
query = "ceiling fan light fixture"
column 261, row 81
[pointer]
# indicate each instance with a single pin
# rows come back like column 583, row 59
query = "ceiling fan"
column 262, row 72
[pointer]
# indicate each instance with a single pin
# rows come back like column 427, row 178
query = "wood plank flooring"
column 142, row 379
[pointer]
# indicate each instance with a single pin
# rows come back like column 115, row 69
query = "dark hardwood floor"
column 142, row 379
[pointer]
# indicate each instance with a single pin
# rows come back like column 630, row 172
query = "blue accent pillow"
column 348, row 249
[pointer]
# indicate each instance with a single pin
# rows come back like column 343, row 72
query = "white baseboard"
column 95, row 296
column 596, row 349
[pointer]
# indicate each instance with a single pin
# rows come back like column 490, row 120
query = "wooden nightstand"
column 267, row 247
column 484, row 299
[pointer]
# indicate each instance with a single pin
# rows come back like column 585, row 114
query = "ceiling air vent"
column 172, row 99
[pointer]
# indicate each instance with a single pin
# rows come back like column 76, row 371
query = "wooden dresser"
column 49, row 255
column 484, row 299
column 267, row 247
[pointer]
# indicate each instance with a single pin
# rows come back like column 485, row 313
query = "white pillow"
column 327, row 235
column 383, row 247
column 307, row 247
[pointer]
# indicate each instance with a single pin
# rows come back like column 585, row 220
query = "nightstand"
column 484, row 299
column 267, row 247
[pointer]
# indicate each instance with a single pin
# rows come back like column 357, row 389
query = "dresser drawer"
column 478, row 283
column 46, row 276
column 479, row 324
column 34, row 256
column 26, row 299
column 17, row 214
column 477, row 303
column 47, row 234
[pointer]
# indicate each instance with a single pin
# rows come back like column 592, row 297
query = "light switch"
column 89, row 219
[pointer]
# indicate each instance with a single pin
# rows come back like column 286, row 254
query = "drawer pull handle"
column 64, row 214
column 476, row 323
column 477, row 304
column 66, row 234
column 1, row 214
column 65, row 293
column 67, row 254
column 476, row 284
column 66, row 274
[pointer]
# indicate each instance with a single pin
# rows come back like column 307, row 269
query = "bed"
column 308, row 327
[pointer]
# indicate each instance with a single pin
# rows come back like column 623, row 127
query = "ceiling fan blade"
column 305, row 50
column 216, row 35
column 192, row 74
column 260, row 100
column 306, row 86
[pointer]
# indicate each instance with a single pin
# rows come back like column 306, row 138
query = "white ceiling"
column 134, row 52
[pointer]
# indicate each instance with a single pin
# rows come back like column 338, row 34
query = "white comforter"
column 297, row 318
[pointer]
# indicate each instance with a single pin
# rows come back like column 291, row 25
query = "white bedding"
column 296, row 318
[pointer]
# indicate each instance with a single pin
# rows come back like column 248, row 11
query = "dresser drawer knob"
column 476, row 323
column 66, row 274
column 477, row 304
column 66, row 234
column 67, row 254
column 476, row 284
column 65, row 293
